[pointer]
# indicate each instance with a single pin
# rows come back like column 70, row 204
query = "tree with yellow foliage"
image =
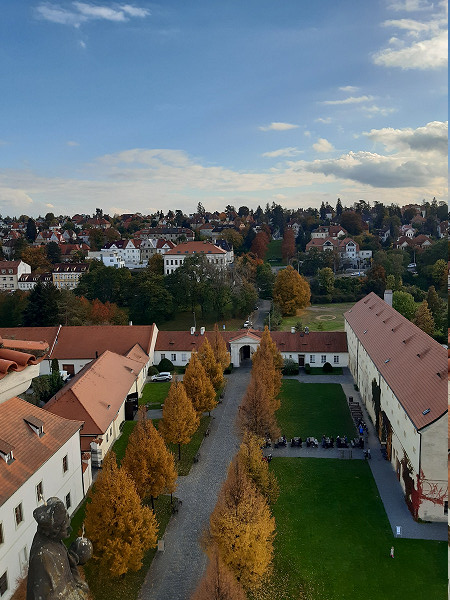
column 218, row 583
column 267, row 364
column 198, row 386
column 291, row 291
column 213, row 369
column 256, row 412
column 243, row 528
column 149, row 462
column 120, row 528
column 219, row 348
column 180, row 420
column 251, row 458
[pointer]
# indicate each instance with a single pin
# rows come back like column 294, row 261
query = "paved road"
column 174, row 574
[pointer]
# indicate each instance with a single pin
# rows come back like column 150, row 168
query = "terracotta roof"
column 97, row 392
column 411, row 363
column 30, row 451
column 86, row 341
column 195, row 247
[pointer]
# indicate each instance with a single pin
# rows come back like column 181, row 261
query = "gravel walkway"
column 174, row 573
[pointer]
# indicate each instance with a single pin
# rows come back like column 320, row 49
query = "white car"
column 412, row 266
column 163, row 376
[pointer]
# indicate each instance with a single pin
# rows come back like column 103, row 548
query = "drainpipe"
column 53, row 346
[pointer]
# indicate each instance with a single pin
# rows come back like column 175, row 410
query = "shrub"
column 307, row 368
column 327, row 368
column 165, row 365
column 152, row 371
column 228, row 369
column 290, row 367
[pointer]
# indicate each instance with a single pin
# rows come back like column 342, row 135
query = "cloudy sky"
column 145, row 106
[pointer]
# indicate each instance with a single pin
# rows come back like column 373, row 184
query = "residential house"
column 126, row 249
column 348, row 249
column 329, row 231
column 98, row 223
column 28, row 282
column 172, row 234
column 401, row 374
column 109, row 259
column 98, row 394
column 420, row 241
column 408, row 231
column 174, row 258
column 220, row 243
column 442, row 229
column 11, row 272
column 39, row 458
column 151, row 246
column 67, row 275
column 68, row 250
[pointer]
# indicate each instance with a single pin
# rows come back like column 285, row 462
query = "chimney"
column 202, row 331
column 192, row 330
column 388, row 297
column 130, row 322
column 292, row 329
column 306, row 330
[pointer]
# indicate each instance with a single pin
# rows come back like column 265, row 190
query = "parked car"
column 247, row 324
column 163, row 376
column 412, row 266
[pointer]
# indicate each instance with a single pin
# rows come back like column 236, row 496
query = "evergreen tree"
column 198, row 386
column 148, row 461
column 53, row 252
column 120, row 528
column 338, row 208
column 438, row 308
column 42, row 309
column 180, row 420
column 212, row 368
column 31, row 230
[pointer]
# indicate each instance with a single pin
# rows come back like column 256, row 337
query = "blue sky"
column 144, row 106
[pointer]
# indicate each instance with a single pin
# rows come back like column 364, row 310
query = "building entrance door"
column 301, row 360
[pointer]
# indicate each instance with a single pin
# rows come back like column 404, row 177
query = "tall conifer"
column 180, row 420
column 198, row 386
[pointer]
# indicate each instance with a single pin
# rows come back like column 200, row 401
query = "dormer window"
column 35, row 424
column 6, row 452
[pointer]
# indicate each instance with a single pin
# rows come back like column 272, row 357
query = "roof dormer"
column 6, row 452
column 35, row 424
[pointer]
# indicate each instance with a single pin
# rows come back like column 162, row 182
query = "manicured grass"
column 190, row 450
column 120, row 445
column 183, row 321
column 273, row 254
column 154, row 394
column 320, row 371
column 333, row 538
column 314, row 409
column 128, row 586
column 327, row 317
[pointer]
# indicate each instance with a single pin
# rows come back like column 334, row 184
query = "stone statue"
column 52, row 571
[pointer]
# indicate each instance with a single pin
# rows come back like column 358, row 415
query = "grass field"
column 327, row 317
column 314, row 409
column 154, row 394
column 273, row 254
column 333, row 538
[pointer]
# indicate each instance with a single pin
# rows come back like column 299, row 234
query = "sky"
column 140, row 106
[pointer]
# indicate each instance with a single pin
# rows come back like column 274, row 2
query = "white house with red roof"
column 150, row 246
column 39, row 458
column 174, row 258
column 127, row 250
column 10, row 273
column 401, row 374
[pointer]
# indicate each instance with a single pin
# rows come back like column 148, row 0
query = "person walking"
column 392, row 552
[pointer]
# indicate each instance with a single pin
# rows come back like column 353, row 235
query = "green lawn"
column 328, row 317
column 183, row 321
column 314, row 409
column 333, row 538
column 154, row 394
column 273, row 254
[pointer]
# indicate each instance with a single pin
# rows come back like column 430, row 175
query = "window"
column 65, row 464
column 2, row 538
column 323, row 359
column 107, row 438
column 18, row 514
column 3, row 583
column 39, row 492
column 183, row 358
column 173, row 357
column 110, row 431
column 445, row 507
column 163, row 356
column 312, row 358
column 68, row 502
column 336, row 360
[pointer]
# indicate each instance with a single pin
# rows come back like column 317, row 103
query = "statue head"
column 53, row 519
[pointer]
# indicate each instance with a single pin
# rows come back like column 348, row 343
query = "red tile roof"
column 195, row 247
column 18, row 355
column 97, row 392
column 30, row 451
column 411, row 363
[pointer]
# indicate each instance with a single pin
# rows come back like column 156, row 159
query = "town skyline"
column 140, row 106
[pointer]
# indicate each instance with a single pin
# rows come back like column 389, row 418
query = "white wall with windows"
column 60, row 476
column 318, row 359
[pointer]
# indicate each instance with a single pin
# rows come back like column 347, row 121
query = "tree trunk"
column 179, row 451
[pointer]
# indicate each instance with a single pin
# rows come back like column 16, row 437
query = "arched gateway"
column 242, row 346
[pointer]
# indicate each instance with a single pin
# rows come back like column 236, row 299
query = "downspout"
column 53, row 346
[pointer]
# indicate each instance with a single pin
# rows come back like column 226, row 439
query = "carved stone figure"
column 52, row 571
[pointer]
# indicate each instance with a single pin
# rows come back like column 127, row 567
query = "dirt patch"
column 325, row 317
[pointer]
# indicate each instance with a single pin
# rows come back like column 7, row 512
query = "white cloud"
column 278, row 126
column 433, row 137
column 349, row 100
column 426, row 54
column 351, row 89
column 71, row 143
column 307, row 133
column 325, row 120
column 82, row 12
column 378, row 110
column 82, row 44
column 48, row 205
column 410, row 5
column 290, row 151
column 323, row 145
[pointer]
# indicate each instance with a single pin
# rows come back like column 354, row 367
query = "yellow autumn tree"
column 250, row 456
column 291, row 291
column 424, row 319
column 218, row 583
column 256, row 412
column 149, row 462
column 198, row 386
column 179, row 419
column 120, row 528
column 219, row 348
column 267, row 363
column 213, row 369
column 243, row 528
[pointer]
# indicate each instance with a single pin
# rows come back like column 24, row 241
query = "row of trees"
column 240, row 538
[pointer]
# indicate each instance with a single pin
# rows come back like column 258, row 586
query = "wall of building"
column 14, row 552
column 17, row 382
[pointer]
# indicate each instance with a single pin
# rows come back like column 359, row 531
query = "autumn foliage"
column 120, row 528
column 291, row 291
column 260, row 244
column 250, row 456
column 218, row 583
column 256, row 413
column 199, row 388
column 288, row 244
column 213, row 369
column 219, row 348
column 180, row 420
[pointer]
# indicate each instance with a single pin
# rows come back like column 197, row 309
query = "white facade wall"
column 14, row 552
column 179, row 358
column 99, row 451
column 78, row 364
column 315, row 359
column 17, row 382
column 173, row 261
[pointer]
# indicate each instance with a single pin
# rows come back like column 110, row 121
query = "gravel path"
column 174, row 573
